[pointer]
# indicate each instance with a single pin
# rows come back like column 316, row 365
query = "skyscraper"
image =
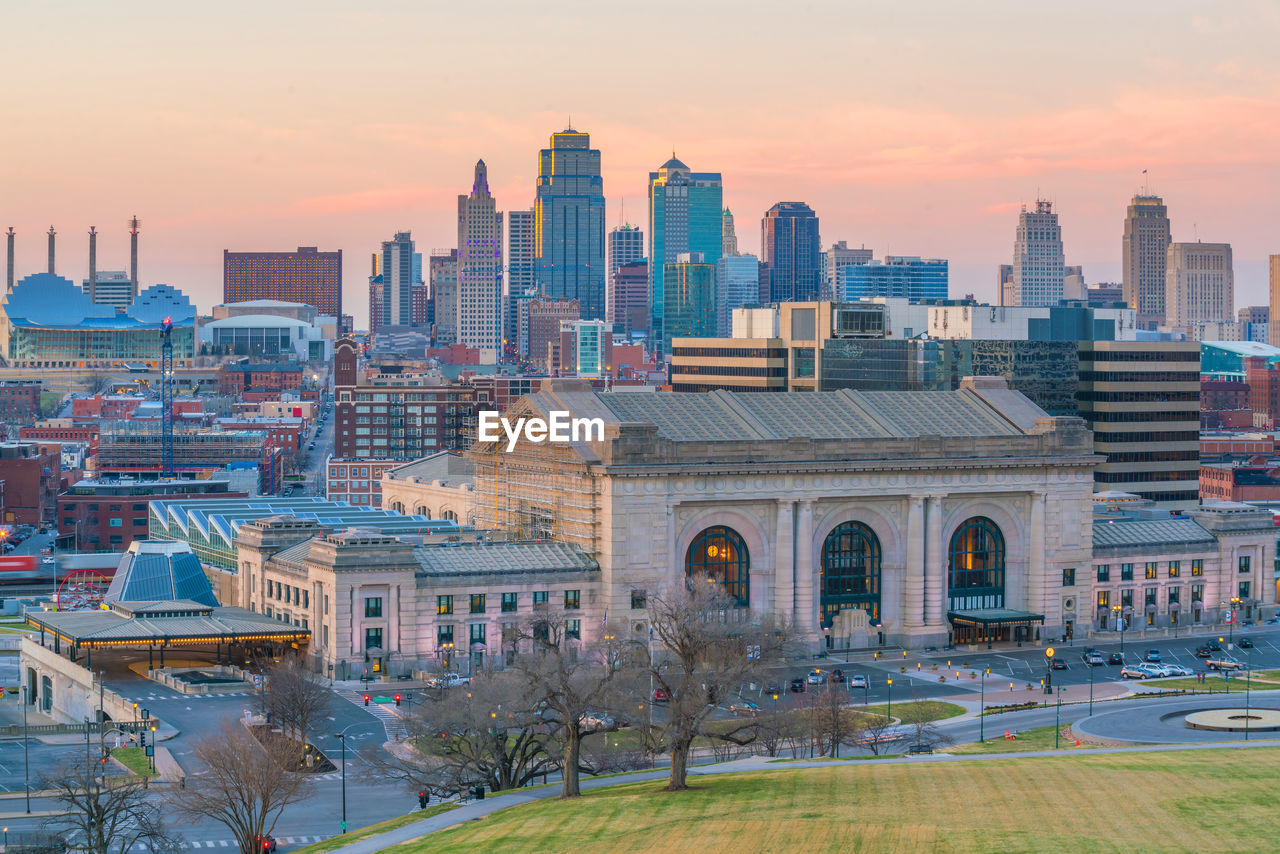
column 1037, row 256
column 792, row 248
column 626, row 244
column 1004, row 285
column 442, row 269
column 686, row 215
column 840, row 255
column 1144, row 253
column 307, row 276
column 394, row 283
column 728, row 235
column 520, row 252
column 907, row 276
column 480, row 319
column 691, row 309
column 629, row 298
column 737, row 284
column 569, row 223
column 1273, row 331
column 1200, row 285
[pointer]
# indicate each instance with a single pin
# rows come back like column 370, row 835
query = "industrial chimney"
column 8, row 282
column 93, row 264
column 52, row 235
column 133, row 254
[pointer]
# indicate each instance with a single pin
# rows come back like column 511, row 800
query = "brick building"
column 545, row 316
column 284, row 433
column 29, row 480
column 109, row 514
column 62, row 430
column 307, row 276
column 356, row 481
column 20, row 399
column 1219, row 394
column 1263, row 379
column 244, row 377
column 1253, row 481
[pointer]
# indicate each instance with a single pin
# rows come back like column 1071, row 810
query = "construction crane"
column 166, row 398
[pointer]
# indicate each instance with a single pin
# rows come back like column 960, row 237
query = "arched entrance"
column 975, row 577
column 849, row 575
column 718, row 554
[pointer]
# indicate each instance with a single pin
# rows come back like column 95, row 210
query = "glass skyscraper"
column 897, row 276
column 686, row 215
column 690, row 298
column 793, row 250
column 568, row 216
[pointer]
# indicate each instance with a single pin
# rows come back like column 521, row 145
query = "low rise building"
column 241, row 377
column 30, row 476
column 357, row 481
column 441, row 486
column 109, row 514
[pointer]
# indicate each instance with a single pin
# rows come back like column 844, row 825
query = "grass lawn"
column 930, row 710
column 1214, row 800
column 335, row 842
column 1040, row 738
column 135, row 759
column 1212, row 684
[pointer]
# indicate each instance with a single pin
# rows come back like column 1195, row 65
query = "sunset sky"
column 912, row 128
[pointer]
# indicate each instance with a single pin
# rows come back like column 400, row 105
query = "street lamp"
column 982, row 693
column 1231, row 622
column 1119, row 612
column 1091, row 689
column 1248, row 675
column 1048, row 670
column 1057, row 720
column 342, row 739
column 889, row 710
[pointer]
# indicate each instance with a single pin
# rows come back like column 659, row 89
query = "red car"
column 660, row 696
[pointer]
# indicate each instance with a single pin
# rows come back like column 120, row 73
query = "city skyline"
column 881, row 146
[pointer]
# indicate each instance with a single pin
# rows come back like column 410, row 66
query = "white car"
column 1137, row 671
column 1177, row 670
column 857, row 680
column 817, row 677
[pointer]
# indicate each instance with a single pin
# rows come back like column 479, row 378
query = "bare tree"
column 487, row 733
column 915, row 715
column 577, row 689
column 244, row 785
column 103, row 810
column 704, row 646
column 296, row 699
column 98, row 381
column 831, row 722
column 874, row 732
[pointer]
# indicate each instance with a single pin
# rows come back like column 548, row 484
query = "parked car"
column 797, row 686
column 595, row 721
column 1178, row 670
column 1093, row 658
column 773, row 688
column 448, row 680
column 857, row 680
column 817, row 677
column 660, row 696
column 1203, row 651
column 1135, row 671
column 1245, row 643
column 1223, row 662
column 1058, row 664
column 267, row 843
column 1115, row 658
column 1152, row 655
column 744, row 709
column 917, row 749
column 837, row 675
column 1214, row 646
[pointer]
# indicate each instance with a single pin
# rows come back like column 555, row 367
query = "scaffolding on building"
column 129, row 447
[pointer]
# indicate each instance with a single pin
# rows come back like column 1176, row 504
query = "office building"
column 130, row 449
column 1037, row 257
column 737, row 285
column 545, row 318
column 393, row 283
column 626, row 245
column 1199, row 284
column 585, row 347
column 792, row 248
column 520, row 252
column 1255, row 323
column 840, row 255
column 907, row 276
column 1004, row 285
column 1144, row 254
column 690, row 307
column 1106, row 294
column 686, row 216
column 111, row 287
column 1073, row 286
column 728, row 235
column 442, row 268
column 108, row 515
column 480, row 303
column 1142, row 400
column 307, row 275
column 630, row 298
column 569, row 215
column 1273, row 289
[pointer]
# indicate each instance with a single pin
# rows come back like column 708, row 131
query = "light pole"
column 889, row 710
column 1115, row 610
column 26, row 762
column 1057, row 720
column 1048, row 670
column 1091, row 689
column 982, row 707
column 153, row 747
column 1231, row 622
column 1248, row 675
column 342, row 739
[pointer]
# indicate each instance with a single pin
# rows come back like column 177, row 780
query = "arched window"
column 850, row 572
column 719, row 554
column 975, row 573
column 422, row 511
column 449, row 515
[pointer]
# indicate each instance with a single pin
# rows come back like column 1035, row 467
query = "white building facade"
column 480, row 305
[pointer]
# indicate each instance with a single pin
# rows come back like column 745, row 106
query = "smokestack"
column 93, row 264
column 52, row 234
column 133, row 254
column 8, row 282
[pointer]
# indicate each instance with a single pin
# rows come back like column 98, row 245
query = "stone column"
column 912, row 616
column 1035, row 560
column 935, row 562
column 806, row 575
column 784, row 578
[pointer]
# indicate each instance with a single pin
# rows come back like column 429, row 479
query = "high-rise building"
column 792, row 248
column 307, row 276
column 1255, row 323
column 728, row 235
column 545, row 316
column 1073, row 287
column 691, row 308
column 1004, row 285
column 1037, row 257
column 480, row 316
column 1199, row 284
column 1273, row 334
column 585, row 347
column 630, row 297
column 113, row 288
column 686, row 215
column 1141, row 399
column 442, row 269
column 569, row 223
column 394, row 283
column 907, row 276
column 1144, row 253
column 520, row 252
column 840, row 255
column 626, row 244
column 738, row 285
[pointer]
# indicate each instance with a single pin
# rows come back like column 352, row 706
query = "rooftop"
column 445, row 465
column 1149, row 533
column 503, row 558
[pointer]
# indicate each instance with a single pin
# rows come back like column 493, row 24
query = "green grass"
column 335, row 842
column 1192, row 801
column 1029, row 740
column 929, row 710
column 135, row 759
column 1213, row 684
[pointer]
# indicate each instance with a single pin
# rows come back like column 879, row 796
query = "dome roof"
column 160, row 572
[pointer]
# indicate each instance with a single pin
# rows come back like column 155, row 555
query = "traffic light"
column 397, row 699
column 423, row 799
column 366, row 699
